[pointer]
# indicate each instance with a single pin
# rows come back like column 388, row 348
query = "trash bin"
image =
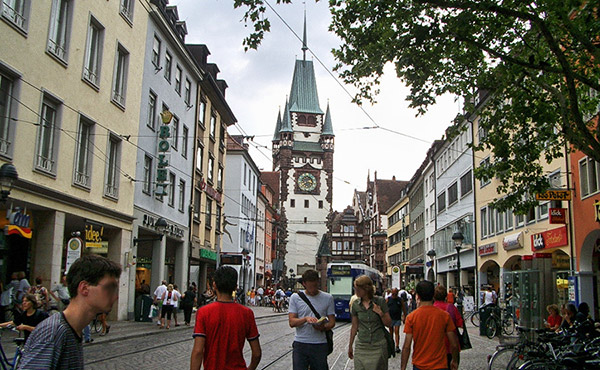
column 142, row 308
column 484, row 314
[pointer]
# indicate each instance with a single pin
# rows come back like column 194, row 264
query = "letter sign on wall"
column 164, row 147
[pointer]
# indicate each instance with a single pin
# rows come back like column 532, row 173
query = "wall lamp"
column 160, row 225
column 8, row 176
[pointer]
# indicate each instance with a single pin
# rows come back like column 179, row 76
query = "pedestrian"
column 60, row 292
column 222, row 327
column 440, row 300
column 41, row 294
column 261, row 298
column 252, row 295
column 168, row 298
column 370, row 317
column 157, row 296
column 398, row 313
column 105, row 327
column 554, row 319
column 56, row 342
column 450, row 297
column 31, row 316
column 425, row 330
column 310, row 342
column 22, row 288
column 188, row 301
column 388, row 293
column 176, row 303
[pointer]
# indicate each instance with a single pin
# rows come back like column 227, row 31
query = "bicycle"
column 499, row 319
column 5, row 362
column 473, row 316
column 96, row 325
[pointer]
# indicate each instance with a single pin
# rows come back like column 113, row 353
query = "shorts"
column 396, row 322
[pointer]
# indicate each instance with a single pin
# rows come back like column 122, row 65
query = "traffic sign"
column 554, row 195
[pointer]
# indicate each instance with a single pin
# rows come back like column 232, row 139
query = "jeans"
column 87, row 336
column 313, row 355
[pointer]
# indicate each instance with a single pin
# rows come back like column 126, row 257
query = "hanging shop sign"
column 74, row 246
column 488, row 249
column 597, row 210
column 209, row 190
column 554, row 195
column 164, row 148
column 513, row 241
column 560, row 261
column 208, row 254
column 19, row 222
column 231, row 259
column 395, row 277
column 549, row 239
column 94, row 238
column 558, row 215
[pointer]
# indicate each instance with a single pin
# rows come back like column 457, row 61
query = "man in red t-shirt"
column 427, row 327
column 222, row 327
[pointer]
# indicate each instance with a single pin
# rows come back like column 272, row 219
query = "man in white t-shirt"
column 158, row 293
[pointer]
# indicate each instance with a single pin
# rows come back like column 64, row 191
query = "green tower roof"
column 327, row 127
column 277, row 127
column 303, row 95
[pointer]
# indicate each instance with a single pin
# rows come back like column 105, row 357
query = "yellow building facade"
column 398, row 239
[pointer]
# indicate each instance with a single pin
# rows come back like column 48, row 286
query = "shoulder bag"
column 391, row 346
column 328, row 333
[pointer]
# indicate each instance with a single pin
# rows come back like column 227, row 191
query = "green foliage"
column 538, row 60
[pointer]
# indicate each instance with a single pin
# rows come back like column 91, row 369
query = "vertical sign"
column 73, row 251
column 396, row 277
column 164, row 147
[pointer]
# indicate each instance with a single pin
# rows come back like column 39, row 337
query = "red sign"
column 558, row 215
column 549, row 239
column 213, row 193
column 487, row 249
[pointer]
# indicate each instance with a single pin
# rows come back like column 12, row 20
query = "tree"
column 537, row 59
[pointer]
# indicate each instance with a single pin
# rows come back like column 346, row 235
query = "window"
column 199, row 155
column 15, row 12
column 82, row 170
column 46, row 140
column 6, row 91
column 211, row 164
column 530, row 215
column 197, row 195
column 220, row 178
column 466, row 183
column 59, row 19
column 202, row 111
column 292, row 203
column 175, row 133
column 542, row 210
column 320, row 204
column 184, row 142
column 178, row 80
column 222, row 137
column 500, row 221
column 171, row 194
column 441, row 201
column 520, row 220
column 452, row 193
column 151, row 118
column 213, row 125
column 181, row 195
column 245, row 171
column 127, row 9
column 509, row 219
column 491, row 221
column 589, row 176
column 120, row 78
column 188, row 92
column 484, row 223
column 208, row 212
column 156, row 52
column 93, row 53
column 306, row 203
column 147, row 187
column 484, row 163
column 111, row 187
column 218, row 218
column 168, row 66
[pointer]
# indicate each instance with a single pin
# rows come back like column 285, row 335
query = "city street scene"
column 209, row 184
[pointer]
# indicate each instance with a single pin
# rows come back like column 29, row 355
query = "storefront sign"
column 94, row 238
column 171, row 229
column 560, row 261
column 73, row 251
column 340, row 270
column 554, row 195
column 416, row 269
column 513, row 241
column 549, row 239
column 208, row 254
column 231, row 259
column 597, row 211
column 18, row 222
column 487, row 249
column 558, row 215
column 164, row 147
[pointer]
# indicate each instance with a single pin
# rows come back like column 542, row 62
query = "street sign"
column 554, row 195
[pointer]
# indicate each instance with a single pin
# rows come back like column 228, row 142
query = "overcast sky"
column 259, row 82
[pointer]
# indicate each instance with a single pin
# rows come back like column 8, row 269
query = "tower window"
column 305, row 219
column 305, row 203
column 292, row 203
column 321, row 204
column 301, row 119
column 312, row 121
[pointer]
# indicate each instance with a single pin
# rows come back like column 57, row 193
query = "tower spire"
column 304, row 46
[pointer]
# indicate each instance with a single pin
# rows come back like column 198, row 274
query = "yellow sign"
column 554, row 195
column 597, row 210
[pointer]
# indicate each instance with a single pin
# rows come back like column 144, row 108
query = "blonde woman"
column 370, row 317
column 169, row 299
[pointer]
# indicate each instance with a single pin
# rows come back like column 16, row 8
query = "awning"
column 16, row 230
column 513, row 241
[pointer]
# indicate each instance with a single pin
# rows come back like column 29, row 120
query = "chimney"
column 222, row 86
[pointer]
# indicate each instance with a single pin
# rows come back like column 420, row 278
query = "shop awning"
column 16, row 230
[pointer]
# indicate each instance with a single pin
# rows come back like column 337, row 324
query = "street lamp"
column 160, row 226
column 431, row 254
column 245, row 263
column 8, row 176
column 458, row 238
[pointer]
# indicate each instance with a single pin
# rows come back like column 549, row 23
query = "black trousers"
column 187, row 314
column 167, row 310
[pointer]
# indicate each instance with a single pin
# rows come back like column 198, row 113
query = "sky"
column 259, row 81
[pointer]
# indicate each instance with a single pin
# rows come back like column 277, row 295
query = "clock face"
column 307, row 182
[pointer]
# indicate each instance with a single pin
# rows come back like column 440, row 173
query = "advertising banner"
column 549, row 239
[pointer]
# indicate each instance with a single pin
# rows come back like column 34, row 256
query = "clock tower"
column 303, row 146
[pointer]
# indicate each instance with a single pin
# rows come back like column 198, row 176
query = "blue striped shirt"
column 53, row 345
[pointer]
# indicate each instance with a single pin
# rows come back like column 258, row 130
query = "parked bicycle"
column 11, row 363
column 500, row 320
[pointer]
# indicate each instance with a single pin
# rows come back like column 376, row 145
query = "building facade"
column 398, row 240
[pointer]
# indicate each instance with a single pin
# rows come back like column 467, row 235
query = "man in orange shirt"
column 427, row 327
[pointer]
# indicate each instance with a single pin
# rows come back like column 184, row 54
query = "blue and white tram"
column 340, row 284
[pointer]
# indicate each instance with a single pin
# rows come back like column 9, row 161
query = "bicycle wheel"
column 491, row 327
column 96, row 326
column 508, row 324
column 515, row 362
column 501, row 358
column 475, row 319
column 541, row 365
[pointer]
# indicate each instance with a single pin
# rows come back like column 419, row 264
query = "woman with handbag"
column 439, row 300
column 370, row 317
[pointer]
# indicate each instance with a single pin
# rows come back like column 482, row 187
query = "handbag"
column 463, row 339
column 391, row 346
column 328, row 333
